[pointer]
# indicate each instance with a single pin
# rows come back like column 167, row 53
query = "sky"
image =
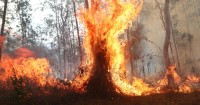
column 38, row 15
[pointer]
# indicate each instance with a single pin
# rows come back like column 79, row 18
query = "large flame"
column 105, row 21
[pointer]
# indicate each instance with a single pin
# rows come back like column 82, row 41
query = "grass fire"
column 123, row 52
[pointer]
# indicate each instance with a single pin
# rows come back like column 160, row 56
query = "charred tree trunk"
column 2, row 26
column 100, row 83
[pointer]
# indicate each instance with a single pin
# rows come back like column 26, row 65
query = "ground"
column 77, row 99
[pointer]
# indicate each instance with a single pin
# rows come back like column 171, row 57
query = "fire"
column 171, row 71
column 105, row 22
column 104, row 26
column 190, row 84
column 25, row 65
column 192, row 78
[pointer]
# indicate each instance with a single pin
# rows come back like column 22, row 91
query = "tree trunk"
column 170, row 79
column 2, row 26
column 167, row 35
column 77, row 27
column 100, row 84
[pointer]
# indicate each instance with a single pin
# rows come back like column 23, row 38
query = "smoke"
column 185, row 21
column 185, row 17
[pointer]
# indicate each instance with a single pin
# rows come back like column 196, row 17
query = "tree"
column 23, row 8
column 77, row 27
column 166, row 20
column 62, row 25
column 3, row 25
column 167, row 35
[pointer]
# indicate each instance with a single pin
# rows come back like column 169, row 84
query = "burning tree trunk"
column 105, row 64
column 167, row 26
column 100, row 83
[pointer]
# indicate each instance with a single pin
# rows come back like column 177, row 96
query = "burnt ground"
column 83, row 99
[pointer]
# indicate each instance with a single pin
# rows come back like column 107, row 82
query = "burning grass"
column 104, row 67
column 104, row 63
column 105, row 53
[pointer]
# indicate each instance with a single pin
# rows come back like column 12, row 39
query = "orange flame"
column 171, row 71
column 36, row 69
column 105, row 22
